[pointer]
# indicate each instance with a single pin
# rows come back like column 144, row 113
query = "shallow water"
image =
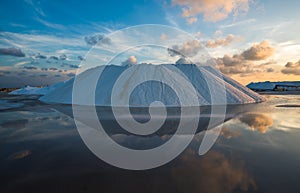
column 258, row 151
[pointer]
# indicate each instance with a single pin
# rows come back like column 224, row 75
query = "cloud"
column 257, row 121
column 94, row 39
column 73, row 66
column 235, row 64
column 130, row 61
column 292, row 68
column 192, row 20
column 12, row 52
column 63, row 57
column 30, row 67
column 36, row 7
column 220, row 41
column 238, row 23
column 31, row 75
column 244, row 63
column 259, row 51
column 53, row 58
column 71, row 74
column 39, row 56
column 163, row 36
column 212, row 10
column 183, row 61
column 187, row 49
column 80, row 58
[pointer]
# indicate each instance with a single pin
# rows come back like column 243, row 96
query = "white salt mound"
column 29, row 90
column 201, row 77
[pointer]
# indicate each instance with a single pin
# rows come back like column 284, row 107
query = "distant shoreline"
column 279, row 92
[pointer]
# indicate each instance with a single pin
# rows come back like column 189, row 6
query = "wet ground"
column 257, row 151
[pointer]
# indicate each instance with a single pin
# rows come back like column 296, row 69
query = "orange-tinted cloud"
column 192, row 20
column 244, row 63
column 163, row 36
column 212, row 10
column 131, row 60
column 292, row 68
column 187, row 49
column 257, row 121
column 220, row 41
column 260, row 51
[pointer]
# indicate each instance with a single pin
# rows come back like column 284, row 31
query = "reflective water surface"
column 257, row 151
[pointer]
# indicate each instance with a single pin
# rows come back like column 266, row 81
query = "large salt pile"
column 30, row 90
column 201, row 77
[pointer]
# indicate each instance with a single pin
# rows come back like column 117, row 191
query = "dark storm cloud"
column 39, row 56
column 71, row 74
column 30, row 67
column 54, row 58
column 63, row 57
column 34, row 62
column 12, row 52
column 80, row 58
column 73, row 66
column 98, row 38
column 173, row 52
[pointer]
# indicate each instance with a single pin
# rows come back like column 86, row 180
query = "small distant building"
column 274, row 86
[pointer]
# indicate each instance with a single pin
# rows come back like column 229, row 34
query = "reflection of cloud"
column 20, row 155
column 16, row 124
column 211, row 173
column 257, row 121
column 292, row 68
column 12, row 52
column 212, row 10
column 228, row 134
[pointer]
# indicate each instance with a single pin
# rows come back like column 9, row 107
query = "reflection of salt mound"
column 205, row 79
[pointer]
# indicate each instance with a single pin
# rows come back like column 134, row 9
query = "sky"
column 43, row 41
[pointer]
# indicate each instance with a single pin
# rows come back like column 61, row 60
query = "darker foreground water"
column 258, row 151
